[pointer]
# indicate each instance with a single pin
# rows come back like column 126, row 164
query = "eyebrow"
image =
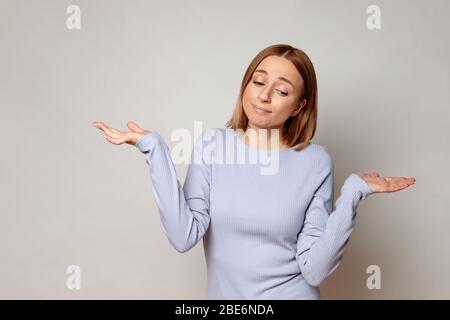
column 281, row 78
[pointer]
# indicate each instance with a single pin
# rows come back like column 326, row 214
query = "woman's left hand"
column 386, row 184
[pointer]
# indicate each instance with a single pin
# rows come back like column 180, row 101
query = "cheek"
column 284, row 108
column 247, row 96
column 247, row 92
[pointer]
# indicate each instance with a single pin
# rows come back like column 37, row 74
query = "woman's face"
column 275, row 86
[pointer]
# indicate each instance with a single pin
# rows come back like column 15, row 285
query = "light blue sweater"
column 265, row 236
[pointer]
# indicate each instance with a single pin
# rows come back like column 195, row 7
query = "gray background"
column 68, row 197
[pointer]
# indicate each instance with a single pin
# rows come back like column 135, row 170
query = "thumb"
column 134, row 127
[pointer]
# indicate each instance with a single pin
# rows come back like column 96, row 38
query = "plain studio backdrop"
column 69, row 197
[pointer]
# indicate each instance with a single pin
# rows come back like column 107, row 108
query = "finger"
column 403, row 180
column 401, row 187
column 134, row 127
column 116, row 131
column 399, row 184
column 108, row 130
column 397, row 179
column 97, row 125
column 115, row 140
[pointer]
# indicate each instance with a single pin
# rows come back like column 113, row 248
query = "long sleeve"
column 184, row 212
column 324, row 234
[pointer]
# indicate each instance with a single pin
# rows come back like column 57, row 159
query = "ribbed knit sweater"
column 266, row 234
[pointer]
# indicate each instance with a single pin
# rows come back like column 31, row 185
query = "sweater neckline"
column 260, row 149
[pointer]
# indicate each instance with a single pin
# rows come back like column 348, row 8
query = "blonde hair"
column 298, row 129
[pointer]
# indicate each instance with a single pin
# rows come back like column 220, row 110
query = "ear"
column 299, row 107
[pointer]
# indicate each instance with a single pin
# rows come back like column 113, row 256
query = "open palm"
column 118, row 137
column 386, row 184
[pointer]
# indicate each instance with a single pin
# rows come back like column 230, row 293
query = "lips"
column 262, row 110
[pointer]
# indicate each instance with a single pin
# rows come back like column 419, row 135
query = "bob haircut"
column 298, row 129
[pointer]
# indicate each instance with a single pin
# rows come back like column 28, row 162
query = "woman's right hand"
column 118, row 137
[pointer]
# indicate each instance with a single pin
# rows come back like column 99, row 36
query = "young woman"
column 265, row 236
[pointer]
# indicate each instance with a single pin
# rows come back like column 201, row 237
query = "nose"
column 264, row 95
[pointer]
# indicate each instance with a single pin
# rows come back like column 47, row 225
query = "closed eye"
column 260, row 84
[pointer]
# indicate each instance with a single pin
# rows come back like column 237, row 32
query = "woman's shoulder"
column 320, row 149
column 322, row 155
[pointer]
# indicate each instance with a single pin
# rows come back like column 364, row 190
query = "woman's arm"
column 184, row 212
column 324, row 234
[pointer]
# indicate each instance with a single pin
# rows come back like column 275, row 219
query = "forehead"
column 280, row 67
